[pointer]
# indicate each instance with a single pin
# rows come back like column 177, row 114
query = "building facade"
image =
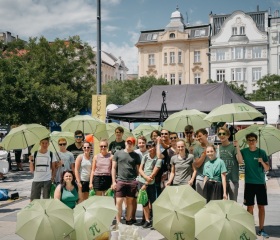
column 177, row 53
column 239, row 48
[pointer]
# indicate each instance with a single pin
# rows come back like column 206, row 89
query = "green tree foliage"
column 268, row 89
column 46, row 81
column 122, row 92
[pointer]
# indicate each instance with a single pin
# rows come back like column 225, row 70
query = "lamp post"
column 98, row 52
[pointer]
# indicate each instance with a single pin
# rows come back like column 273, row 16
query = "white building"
column 274, row 43
column 239, row 47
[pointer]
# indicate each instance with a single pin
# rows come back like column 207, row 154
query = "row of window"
column 238, row 53
column 238, row 74
column 238, row 31
column 172, row 78
column 172, row 58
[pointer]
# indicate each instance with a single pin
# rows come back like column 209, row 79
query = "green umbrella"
column 109, row 132
column 268, row 137
column 174, row 210
column 94, row 216
column 24, row 136
column 85, row 123
column 177, row 121
column 224, row 219
column 45, row 219
column 145, row 130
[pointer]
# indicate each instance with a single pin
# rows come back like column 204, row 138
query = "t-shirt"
column 197, row 154
column 116, row 146
column 214, row 168
column 149, row 164
column 228, row 154
column 141, row 154
column 69, row 198
column 126, row 165
column 76, row 151
column 183, row 169
column 42, row 171
column 254, row 173
column 67, row 159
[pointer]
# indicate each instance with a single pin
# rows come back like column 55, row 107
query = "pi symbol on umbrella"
column 243, row 108
column 93, row 228
column 179, row 236
column 244, row 237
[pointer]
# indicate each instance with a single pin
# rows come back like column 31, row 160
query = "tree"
column 50, row 81
column 122, row 92
column 268, row 89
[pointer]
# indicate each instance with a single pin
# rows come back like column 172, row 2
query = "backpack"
column 35, row 155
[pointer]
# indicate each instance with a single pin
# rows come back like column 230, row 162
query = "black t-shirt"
column 116, row 146
column 76, row 151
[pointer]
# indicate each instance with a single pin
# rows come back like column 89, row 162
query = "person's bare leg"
column 261, row 216
column 134, row 208
column 250, row 209
column 119, row 202
column 146, row 211
column 129, row 207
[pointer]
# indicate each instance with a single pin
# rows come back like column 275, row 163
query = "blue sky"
column 122, row 20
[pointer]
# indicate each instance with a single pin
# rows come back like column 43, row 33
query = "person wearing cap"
column 125, row 168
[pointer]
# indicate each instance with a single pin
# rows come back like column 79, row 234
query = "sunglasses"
column 222, row 134
column 163, row 133
column 86, row 147
column 188, row 132
column 62, row 144
column 103, row 146
column 78, row 136
column 173, row 138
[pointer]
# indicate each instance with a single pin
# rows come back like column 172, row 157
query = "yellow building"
column 177, row 53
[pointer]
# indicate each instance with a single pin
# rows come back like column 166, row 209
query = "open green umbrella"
column 85, row 123
column 145, row 130
column 94, row 216
column 109, row 132
column 224, row 219
column 174, row 210
column 24, row 136
column 268, row 137
column 45, row 219
column 177, row 121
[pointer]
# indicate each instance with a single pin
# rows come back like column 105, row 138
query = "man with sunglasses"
column 191, row 143
column 256, row 163
column 77, row 147
column 66, row 160
column 231, row 155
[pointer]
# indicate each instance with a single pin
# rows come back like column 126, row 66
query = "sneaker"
column 143, row 221
column 263, row 234
column 129, row 222
column 147, row 224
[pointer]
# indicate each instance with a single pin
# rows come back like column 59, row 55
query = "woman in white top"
column 82, row 171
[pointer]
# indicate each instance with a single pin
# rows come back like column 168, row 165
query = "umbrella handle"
column 56, row 151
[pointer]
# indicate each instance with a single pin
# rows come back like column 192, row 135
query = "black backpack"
column 35, row 155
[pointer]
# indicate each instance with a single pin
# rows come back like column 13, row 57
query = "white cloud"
column 139, row 25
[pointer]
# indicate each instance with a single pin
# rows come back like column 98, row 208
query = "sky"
column 121, row 20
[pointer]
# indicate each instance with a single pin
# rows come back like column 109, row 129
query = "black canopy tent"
column 203, row 97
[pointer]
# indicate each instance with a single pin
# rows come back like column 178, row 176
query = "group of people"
column 166, row 160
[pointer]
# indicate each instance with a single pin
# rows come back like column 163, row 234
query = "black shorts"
column 252, row 190
column 213, row 190
column 85, row 186
column 102, row 183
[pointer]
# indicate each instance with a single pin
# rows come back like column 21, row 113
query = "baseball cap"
column 131, row 139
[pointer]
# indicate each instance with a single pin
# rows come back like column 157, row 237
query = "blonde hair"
column 62, row 139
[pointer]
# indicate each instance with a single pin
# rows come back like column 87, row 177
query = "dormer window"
column 172, row 35
column 234, row 31
column 242, row 30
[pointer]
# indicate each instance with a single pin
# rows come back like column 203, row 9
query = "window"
column 172, row 78
column 172, row 57
column 199, row 32
column 256, row 74
column 242, row 30
column 257, row 52
column 151, row 59
column 197, row 78
column 196, row 56
column 165, row 58
column 180, row 78
column 220, row 75
column 238, row 53
column 234, row 31
column 238, row 74
column 172, row 35
column 221, row 54
column 154, row 36
column 165, row 77
column 179, row 57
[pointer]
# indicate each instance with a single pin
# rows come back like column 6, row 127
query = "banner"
column 99, row 107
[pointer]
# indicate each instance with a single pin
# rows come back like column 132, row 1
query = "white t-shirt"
column 42, row 170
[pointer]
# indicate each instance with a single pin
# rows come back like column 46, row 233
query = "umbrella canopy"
column 94, row 216
column 233, row 112
column 177, row 121
column 45, row 219
column 109, row 132
column 174, row 210
column 145, row 130
column 24, row 136
column 268, row 137
column 85, row 123
column 54, row 136
column 224, row 219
